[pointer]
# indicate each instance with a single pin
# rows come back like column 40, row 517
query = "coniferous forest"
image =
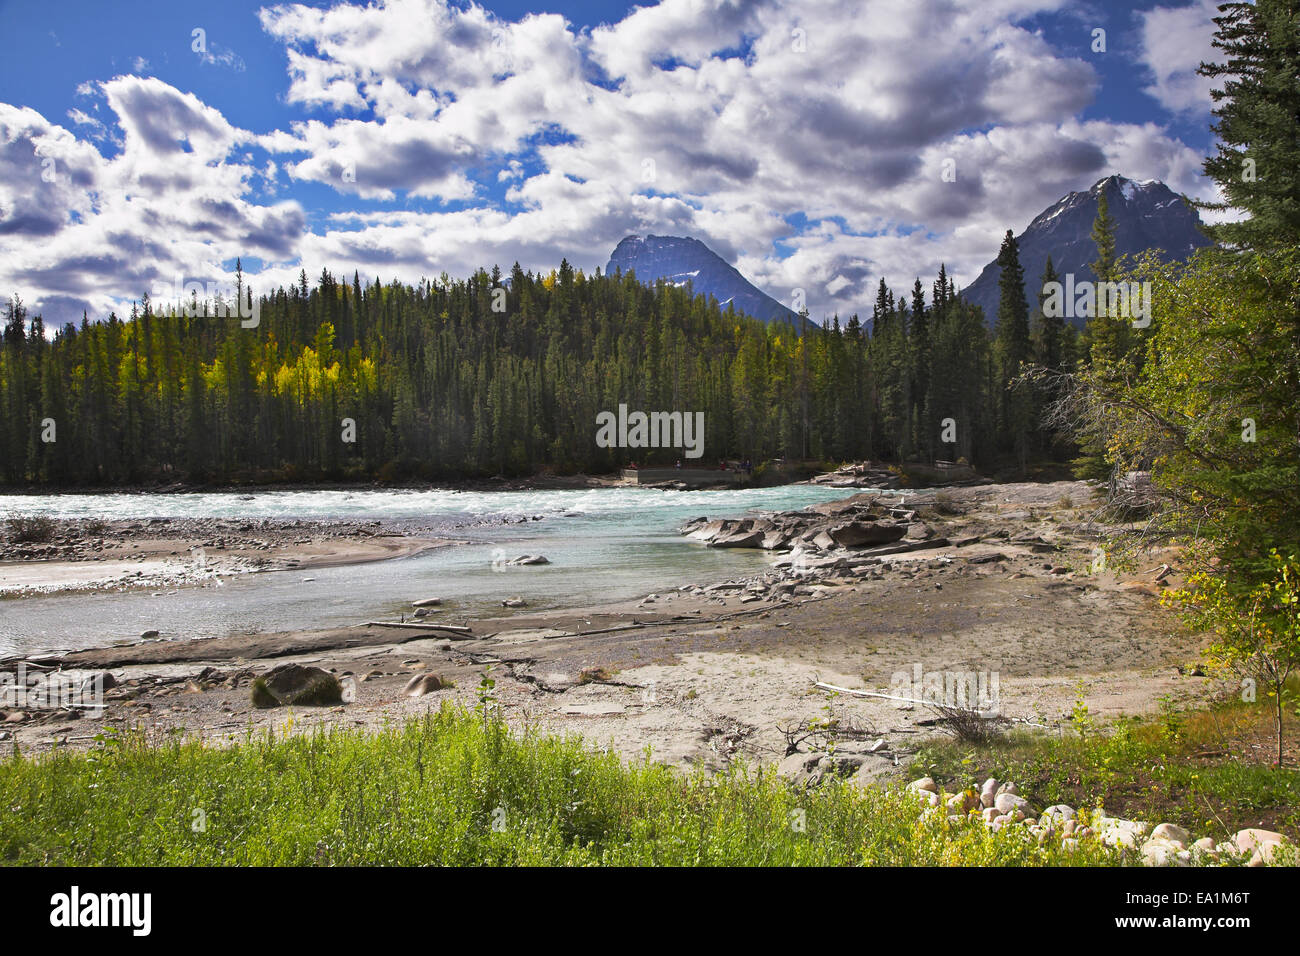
column 439, row 385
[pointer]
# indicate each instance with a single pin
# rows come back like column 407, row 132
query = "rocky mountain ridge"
column 1147, row 215
column 681, row 260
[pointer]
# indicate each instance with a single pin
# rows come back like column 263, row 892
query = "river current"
column 603, row 544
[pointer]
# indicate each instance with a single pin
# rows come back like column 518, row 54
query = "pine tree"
column 1049, row 330
column 1107, row 337
column 1103, row 236
column 1257, row 165
column 1106, row 344
column 922, row 432
column 1013, row 348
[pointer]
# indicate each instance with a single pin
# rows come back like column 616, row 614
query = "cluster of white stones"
column 999, row 805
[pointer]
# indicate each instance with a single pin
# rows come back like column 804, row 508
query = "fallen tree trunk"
column 452, row 628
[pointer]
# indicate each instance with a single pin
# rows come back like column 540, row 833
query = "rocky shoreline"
column 88, row 539
column 89, row 554
column 995, row 578
column 841, row 541
column 860, row 521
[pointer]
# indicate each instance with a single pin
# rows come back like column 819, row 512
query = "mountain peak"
column 683, row 259
column 1127, row 189
column 1148, row 215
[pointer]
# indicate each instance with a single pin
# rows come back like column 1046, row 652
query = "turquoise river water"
column 603, row 544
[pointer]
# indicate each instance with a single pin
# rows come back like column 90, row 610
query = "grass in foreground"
column 452, row 789
column 1207, row 770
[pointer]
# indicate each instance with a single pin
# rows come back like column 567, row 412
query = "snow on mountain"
column 681, row 259
column 1147, row 215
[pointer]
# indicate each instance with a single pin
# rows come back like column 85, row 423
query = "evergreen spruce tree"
column 1257, row 164
column 1012, row 345
column 1049, row 330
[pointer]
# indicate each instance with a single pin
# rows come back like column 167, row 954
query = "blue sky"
column 803, row 141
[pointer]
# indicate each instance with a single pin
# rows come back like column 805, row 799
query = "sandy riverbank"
column 95, row 555
column 706, row 675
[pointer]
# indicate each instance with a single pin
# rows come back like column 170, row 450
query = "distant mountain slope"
column 1148, row 215
column 681, row 259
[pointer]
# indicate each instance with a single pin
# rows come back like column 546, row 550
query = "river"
column 603, row 544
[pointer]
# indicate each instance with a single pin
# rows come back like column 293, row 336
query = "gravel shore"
column 1003, row 584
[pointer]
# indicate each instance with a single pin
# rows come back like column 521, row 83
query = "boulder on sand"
column 105, row 680
column 422, row 684
column 293, row 684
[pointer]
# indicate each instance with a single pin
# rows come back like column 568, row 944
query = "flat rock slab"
column 245, row 647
